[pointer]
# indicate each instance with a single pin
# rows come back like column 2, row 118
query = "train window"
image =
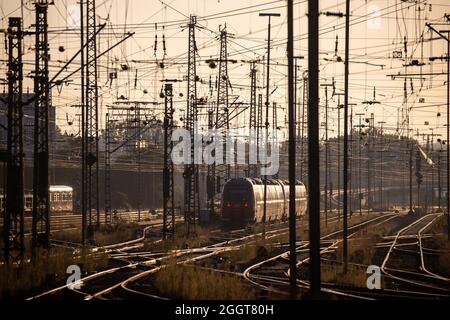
column 236, row 195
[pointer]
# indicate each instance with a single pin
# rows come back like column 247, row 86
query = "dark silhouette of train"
column 61, row 200
column 243, row 200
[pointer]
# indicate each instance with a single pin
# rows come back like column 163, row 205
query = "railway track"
column 270, row 275
column 63, row 222
column 143, row 290
column 413, row 275
column 262, row 273
column 141, row 264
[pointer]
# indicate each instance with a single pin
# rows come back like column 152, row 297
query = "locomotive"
column 243, row 200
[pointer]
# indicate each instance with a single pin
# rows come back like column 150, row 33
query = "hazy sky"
column 372, row 44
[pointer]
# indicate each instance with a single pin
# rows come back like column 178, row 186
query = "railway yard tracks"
column 132, row 267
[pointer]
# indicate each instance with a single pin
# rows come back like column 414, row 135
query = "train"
column 243, row 200
column 61, row 200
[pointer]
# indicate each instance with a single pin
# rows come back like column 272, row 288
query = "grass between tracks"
column 444, row 258
column 441, row 243
column 237, row 260
column 356, row 276
column 45, row 271
column 116, row 233
column 182, row 241
column 361, row 252
column 190, row 282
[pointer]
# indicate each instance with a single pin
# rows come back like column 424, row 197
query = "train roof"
column 259, row 181
column 60, row 188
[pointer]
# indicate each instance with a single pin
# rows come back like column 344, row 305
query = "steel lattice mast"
column 211, row 174
column 90, row 130
column 252, row 115
column 222, row 112
column 108, row 219
column 191, row 183
column 259, row 126
column 168, row 185
column 41, row 201
column 13, row 216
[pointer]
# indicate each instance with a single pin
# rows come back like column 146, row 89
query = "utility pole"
column 326, row 85
column 222, row 107
column 448, row 139
column 90, row 130
column 430, row 152
column 168, row 182
column 327, row 147
column 439, row 175
column 410, row 148
column 347, row 40
column 369, row 155
column 259, row 127
column 211, row 175
column 381, row 162
column 292, row 178
column 352, row 173
column 137, row 126
column 267, row 112
column 303, row 122
column 339, row 106
column 108, row 219
column 419, row 176
column 83, row 132
column 433, row 170
column 403, row 162
column 13, row 232
column 274, row 130
column 313, row 149
column 41, row 201
column 252, row 114
column 360, row 193
column 191, row 186
column 440, row 33
column 339, row 161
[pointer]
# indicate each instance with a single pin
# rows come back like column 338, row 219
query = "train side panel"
column 243, row 200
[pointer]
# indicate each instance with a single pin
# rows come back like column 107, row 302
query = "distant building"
column 27, row 122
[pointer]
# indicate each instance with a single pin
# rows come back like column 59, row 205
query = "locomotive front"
column 238, row 203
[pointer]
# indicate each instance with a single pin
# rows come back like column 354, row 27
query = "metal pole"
column 410, row 176
column 339, row 161
column 347, row 40
column 313, row 148
column 267, row 113
column 359, row 169
column 292, row 180
column 326, row 156
column 369, row 153
column 432, row 173
column 13, row 227
column 439, row 176
column 83, row 133
column 138, row 142
column 448, row 139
